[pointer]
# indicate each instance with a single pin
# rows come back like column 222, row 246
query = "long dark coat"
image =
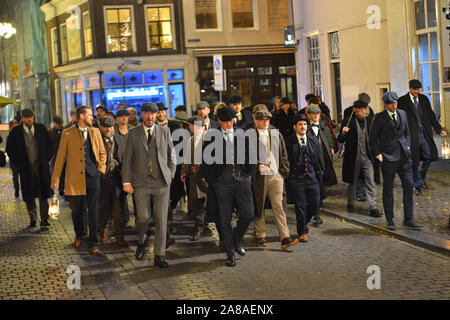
column 429, row 121
column 283, row 122
column 17, row 152
column 351, row 146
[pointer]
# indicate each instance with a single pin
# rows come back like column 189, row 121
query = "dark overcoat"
column 17, row 152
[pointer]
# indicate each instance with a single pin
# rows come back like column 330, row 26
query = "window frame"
column 54, row 45
column 172, row 22
column 255, row 18
column 269, row 27
column 218, row 14
column 133, row 27
column 61, row 41
column 84, row 14
column 312, row 62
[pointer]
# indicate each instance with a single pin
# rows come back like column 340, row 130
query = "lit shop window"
column 159, row 25
column 119, row 29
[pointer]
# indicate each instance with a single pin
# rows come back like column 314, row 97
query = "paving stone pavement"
column 332, row 265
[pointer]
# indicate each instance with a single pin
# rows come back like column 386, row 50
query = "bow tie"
column 315, row 125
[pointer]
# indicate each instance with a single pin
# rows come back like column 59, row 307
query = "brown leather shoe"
column 261, row 242
column 288, row 242
column 103, row 238
column 95, row 251
column 122, row 243
column 77, row 243
column 303, row 238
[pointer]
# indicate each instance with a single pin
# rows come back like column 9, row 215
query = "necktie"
column 395, row 120
column 303, row 144
column 149, row 137
column 416, row 103
column 83, row 133
column 109, row 141
column 30, row 133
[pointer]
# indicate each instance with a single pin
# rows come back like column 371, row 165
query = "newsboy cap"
column 180, row 108
column 106, row 122
column 415, row 84
column 149, row 107
column 122, row 113
column 202, row 105
column 27, row 113
column 57, row 120
column 235, row 99
column 285, row 101
column 101, row 107
column 313, row 108
column 359, row 104
column 390, row 97
column 226, row 114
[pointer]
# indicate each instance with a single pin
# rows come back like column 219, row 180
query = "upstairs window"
column 159, row 26
column 119, row 29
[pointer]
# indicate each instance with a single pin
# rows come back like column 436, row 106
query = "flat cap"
column 226, row 114
column 57, row 120
column 202, row 105
column 181, row 117
column 196, row 119
column 313, row 108
column 415, row 84
column 122, row 113
column 106, row 122
column 180, row 108
column 27, row 113
column 161, row 106
column 364, row 97
column 149, row 107
column 299, row 117
column 359, row 104
column 285, row 101
column 99, row 106
column 390, row 97
column 235, row 99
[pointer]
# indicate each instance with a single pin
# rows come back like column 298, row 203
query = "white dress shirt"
column 264, row 136
column 300, row 139
column 84, row 132
column 152, row 128
column 229, row 133
column 315, row 129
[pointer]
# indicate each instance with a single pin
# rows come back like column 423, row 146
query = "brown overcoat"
column 71, row 152
column 260, row 181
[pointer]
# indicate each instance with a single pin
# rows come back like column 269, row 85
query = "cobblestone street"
column 332, row 265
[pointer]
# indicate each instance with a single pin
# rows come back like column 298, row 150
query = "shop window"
column 206, row 14
column 55, row 48
column 175, row 75
column 159, row 27
column 264, row 71
column 153, row 77
column 278, row 12
column 135, row 96
column 113, row 80
column 176, row 96
column 87, row 34
column 119, row 29
column 426, row 67
column 63, row 37
column 242, row 13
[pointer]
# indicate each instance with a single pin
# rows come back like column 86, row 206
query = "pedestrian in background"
column 15, row 171
column 29, row 147
column 282, row 120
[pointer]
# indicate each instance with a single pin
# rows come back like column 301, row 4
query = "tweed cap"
column 106, row 122
column 390, row 97
column 149, row 107
column 122, row 113
column 314, row 108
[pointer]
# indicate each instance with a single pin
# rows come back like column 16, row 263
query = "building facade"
column 346, row 47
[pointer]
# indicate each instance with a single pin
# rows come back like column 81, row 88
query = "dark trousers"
column 76, row 205
column 237, row 194
column 404, row 170
column 111, row 206
column 305, row 193
column 31, row 203
column 425, row 154
column 15, row 173
column 197, row 212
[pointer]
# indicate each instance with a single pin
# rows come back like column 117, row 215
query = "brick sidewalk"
column 331, row 266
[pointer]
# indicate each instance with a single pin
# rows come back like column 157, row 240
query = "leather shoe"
column 207, row 232
column 170, row 242
column 375, row 213
column 307, row 228
column 350, row 208
column 425, row 187
column 160, row 262
column 32, row 224
column 303, row 238
column 77, row 242
column 261, row 242
column 44, row 223
column 419, row 192
column 317, row 222
column 391, row 225
column 103, row 238
column 195, row 236
column 239, row 248
column 95, row 251
column 140, row 251
column 412, row 224
column 288, row 242
column 231, row 261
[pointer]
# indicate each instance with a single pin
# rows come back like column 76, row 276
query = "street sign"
column 289, row 37
column 218, row 72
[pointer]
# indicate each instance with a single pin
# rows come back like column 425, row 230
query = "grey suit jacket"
column 135, row 168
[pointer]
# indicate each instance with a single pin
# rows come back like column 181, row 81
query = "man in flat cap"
column 190, row 174
column 110, row 204
column 148, row 168
column 358, row 158
column 421, row 121
column 82, row 150
column 30, row 147
column 231, row 183
column 133, row 120
column 306, row 168
column 273, row 168
column 319, row 128
column 390, row 143
column 244, row 118
column 203, row 110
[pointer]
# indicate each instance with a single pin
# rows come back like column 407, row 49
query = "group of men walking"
column 104, row 161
